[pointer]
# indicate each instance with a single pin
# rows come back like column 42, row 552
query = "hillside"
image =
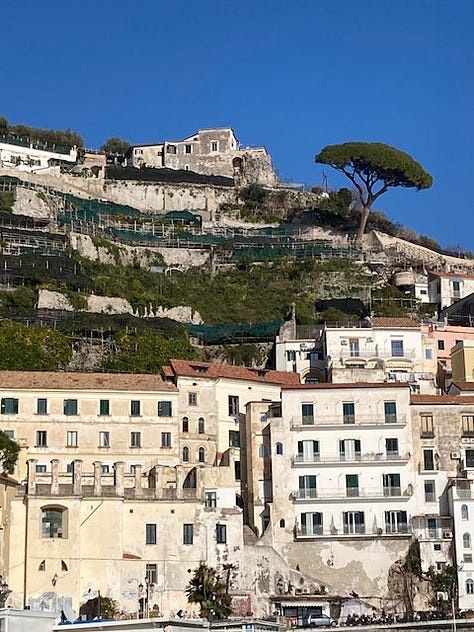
column 224, row 272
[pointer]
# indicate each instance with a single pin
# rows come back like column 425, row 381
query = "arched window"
column 185, row 424
column 53, row 522
column 279, row 448
column 201, row 425
column 470, row 586
column 282, row 523
column 464, row 512
column 202, row 455
column 466, row 540
column 185, row 454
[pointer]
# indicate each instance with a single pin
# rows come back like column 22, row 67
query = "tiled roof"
column 186, row 368
column 351, row 385
column 8, row 480
column 463, row 386
column 49, row 380
column 452, row 275
column 387, row 323
column 442, row 399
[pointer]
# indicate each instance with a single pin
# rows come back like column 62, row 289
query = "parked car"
column 321, row 621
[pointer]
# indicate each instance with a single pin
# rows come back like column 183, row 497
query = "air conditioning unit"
column 447, row 535
column 343, row 342
column 369, row 340
column 305, row 590
column 455, row 455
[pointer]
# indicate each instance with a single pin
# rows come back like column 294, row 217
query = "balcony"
column 361, row 493
column 321, row 421
column 401, row 529
column 357, row 457
column 345, row 353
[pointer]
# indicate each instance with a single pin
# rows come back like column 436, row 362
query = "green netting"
column 97, row 207
column 215, row 334
column 184, row 216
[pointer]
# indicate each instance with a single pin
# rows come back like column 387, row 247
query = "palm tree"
column 208, row 590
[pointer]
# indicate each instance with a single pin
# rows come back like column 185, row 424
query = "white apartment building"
column 26, row 156
column 445, row 288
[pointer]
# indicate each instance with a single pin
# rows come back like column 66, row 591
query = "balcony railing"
column 357, row 457
column 352, row 492
column 350, row 530
column 345, row 353
column 356, row 420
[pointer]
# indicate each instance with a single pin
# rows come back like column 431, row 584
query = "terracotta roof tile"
column 188, row 368
column 83, row 381
column 442, row 399
column 387, row 323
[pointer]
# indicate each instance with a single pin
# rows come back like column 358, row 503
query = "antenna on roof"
column 324, row 184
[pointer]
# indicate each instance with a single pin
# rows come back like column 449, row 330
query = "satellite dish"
column 87, row 595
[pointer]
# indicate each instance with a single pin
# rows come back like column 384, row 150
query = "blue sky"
column 293, row 75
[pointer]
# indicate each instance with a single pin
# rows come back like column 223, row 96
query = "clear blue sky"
column 293, row 75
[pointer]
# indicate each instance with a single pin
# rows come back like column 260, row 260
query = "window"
column 188, row 533
column 279, row 448
column 282, row 523
column 397, row 348
column 441, row 345
column 237, row 470
column 104, row 407
column 430, row 491
column 201, row 425
column 171, row 149
column 186, row 454
column 201, row 455
column 308, row 450
column 466, row 540
column 390, row 411
column 428, row 354
column 349, row 450
column 233, row 405
column 9, row 406
column 352, row 485
column 41, row 438
column 428, row 460
column 214, row 145
column 185, row 424
column 467, row 557
column 188, row 149
column 53, row 522
column 427, row 427
column 151, row 574
column 221, row 533
column 135, row 408
column 469, row 586
column 396, row 522
column 468, row 425
column 353, row 522
column 164, row 409
column 70, row 407
column 9, row 433
column 354, row 347
column 436, row 546
column 104, row 468
column 42, row 566
column 104, row 439
column 40, row 469
column 291, row 355
column 391, row 485
column 469, row 458
column 41, row 406
column 391, row 448
column 138, row 152
column 464, row 512
column 234, row 438
column 311, row 523
column 307, row 486
column 348, row 413
column 135, row 439
column 210, row 499
column 70, row 468
column 71, row 439
column 166, row 439
column 192, row 399
column 150, row 533
column 307, row 414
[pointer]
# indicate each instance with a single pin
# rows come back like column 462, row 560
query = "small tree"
column 9, row 450
column 211, row 593
column 374, row 168
column 115, row 145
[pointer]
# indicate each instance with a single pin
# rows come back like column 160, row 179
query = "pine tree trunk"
column 363, row 222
